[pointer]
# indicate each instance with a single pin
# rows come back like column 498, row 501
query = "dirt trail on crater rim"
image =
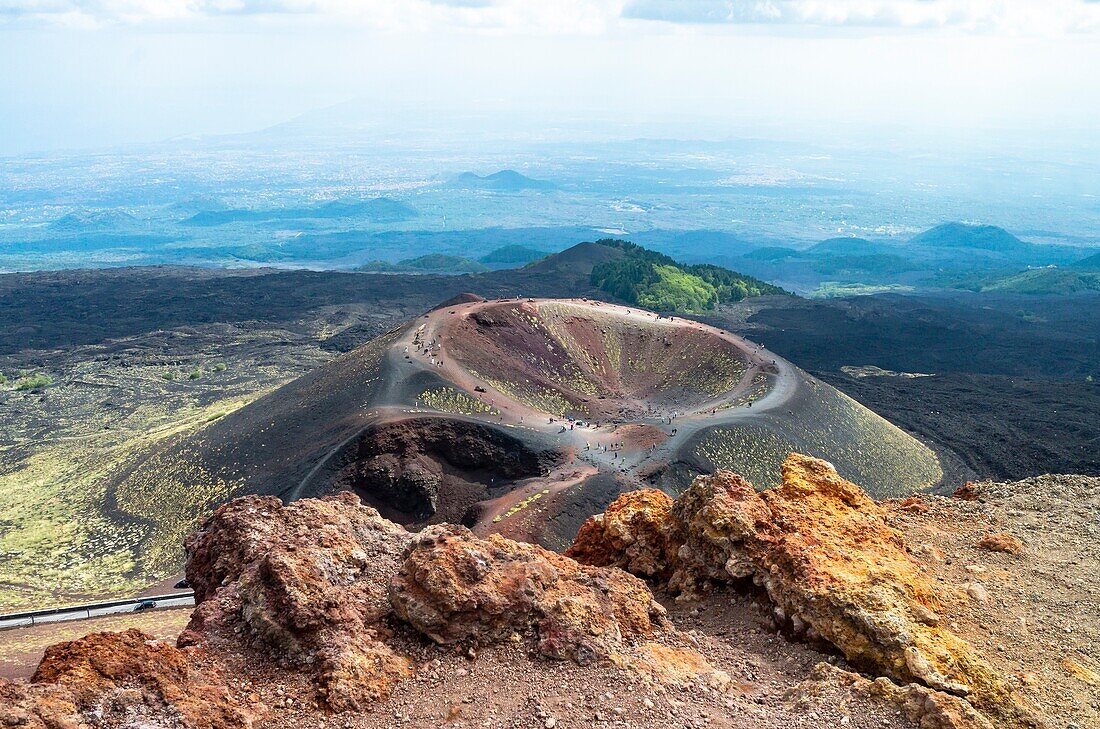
column 524, row 417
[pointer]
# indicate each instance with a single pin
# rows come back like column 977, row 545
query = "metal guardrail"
column 89, row 610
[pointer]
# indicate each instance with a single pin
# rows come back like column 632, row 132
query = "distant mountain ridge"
column 965, row 235
column 846, row 246
column 948, row 255
column 512, row 256
column 378, row 210
column 502, row 181
column 505, row 257
column 99, row 221
column 1040, row 281
column 1091, row 263
column 430, row 263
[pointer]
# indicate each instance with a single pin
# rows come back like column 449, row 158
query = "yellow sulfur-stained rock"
column 832, row 566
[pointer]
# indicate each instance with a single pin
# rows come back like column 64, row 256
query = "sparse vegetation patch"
column 36, row 381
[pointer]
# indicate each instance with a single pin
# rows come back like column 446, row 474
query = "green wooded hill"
column 654, row 281
column 512, row 256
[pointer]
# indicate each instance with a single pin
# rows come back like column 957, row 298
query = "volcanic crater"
column 526, row 416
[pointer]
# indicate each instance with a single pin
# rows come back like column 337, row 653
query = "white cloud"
column 542, row 16
column 585, row 17
column 1011, row 16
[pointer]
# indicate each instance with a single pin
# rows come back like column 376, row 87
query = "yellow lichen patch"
column 64, row 537
column 755, row 390
column 450, row 400
column 172, row 505
column 540, row 399
column 522, row 505
column 864, row 447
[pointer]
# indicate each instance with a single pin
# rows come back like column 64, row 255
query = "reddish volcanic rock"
column 709, row 524
column 1001, row 543
column 121, row 679
column 308, row 581
column 457, row 588
column 832, row 566
column 37, row 707
column 316, row 583
column 969, row 491
column 629, row 535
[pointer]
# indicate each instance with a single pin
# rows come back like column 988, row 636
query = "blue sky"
column 96, row 73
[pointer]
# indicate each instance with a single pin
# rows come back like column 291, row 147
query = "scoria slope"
column 523, row 417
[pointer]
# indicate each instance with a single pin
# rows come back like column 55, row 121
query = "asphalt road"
column 92, row 610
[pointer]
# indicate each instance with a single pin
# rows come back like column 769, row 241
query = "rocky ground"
column 807, row 605
column 22, row 649
column 1028, row 599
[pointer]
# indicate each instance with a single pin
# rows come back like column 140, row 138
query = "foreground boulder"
column 829, row 562
column 308, row 582
column 631, row 535
column 121, row 679
column 457, row 588
column 320, row 585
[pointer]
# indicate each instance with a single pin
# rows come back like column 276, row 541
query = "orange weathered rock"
column 969, row 491
column 1001, row 543
column 629, row 534
column 457, row 588
column 1081, row 673
column 309, row 582
column 832, row 566
column 661, row 664
column 38, row 706
column 914, row 504
column 121, row 679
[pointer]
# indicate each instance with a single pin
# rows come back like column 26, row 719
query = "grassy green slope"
column 655, row 281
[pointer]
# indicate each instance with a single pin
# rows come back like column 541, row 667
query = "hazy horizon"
column 99, row 74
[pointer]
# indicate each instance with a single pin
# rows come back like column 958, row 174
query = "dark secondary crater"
column 424, row 470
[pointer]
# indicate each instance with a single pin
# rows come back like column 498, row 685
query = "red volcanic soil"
column 640, row 435
column 619, row 363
